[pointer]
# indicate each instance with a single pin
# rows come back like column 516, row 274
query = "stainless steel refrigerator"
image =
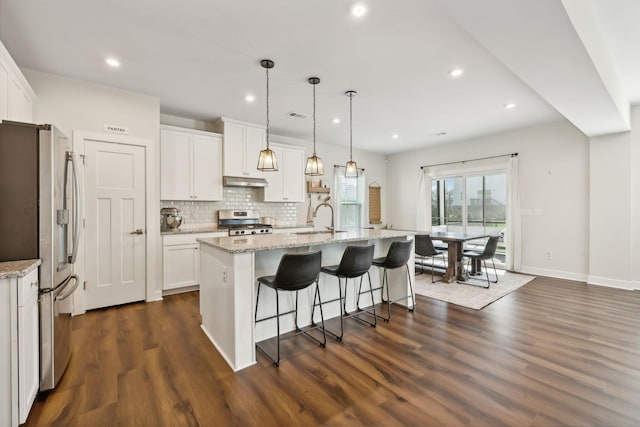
column 40, row 205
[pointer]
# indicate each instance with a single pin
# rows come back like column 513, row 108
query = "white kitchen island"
column 229, row 267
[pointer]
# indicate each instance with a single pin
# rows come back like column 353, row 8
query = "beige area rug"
column 469, row 295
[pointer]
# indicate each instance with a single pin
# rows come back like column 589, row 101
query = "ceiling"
column 202, row 60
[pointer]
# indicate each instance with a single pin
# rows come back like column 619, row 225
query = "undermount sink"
column 321, row 232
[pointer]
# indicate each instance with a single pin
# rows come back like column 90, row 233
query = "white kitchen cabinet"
column 19, row 347
column 287, row 183
column 191, row 164
column 181, row 260
column 16, row 95
column 241, row 148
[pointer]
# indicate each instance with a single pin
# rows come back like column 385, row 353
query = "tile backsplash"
column 238, row 198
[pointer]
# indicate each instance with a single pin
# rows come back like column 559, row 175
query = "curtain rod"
column 471, row 160
column 343, row 166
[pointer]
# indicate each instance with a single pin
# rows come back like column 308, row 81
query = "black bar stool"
column 397, row 256
column 425, row 249
column 355, row 262
column 295, row 272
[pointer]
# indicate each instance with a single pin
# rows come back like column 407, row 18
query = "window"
column 470, row 204
column 349, row 199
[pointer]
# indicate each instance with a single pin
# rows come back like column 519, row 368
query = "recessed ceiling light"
column 510, row 106
column 336, row 121
column 394, row 136
column 358, row 10
column 456, row 72
column 112, row 62
column 249, row 98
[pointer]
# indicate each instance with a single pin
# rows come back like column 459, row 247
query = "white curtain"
column 423, row 205
column 514, row 230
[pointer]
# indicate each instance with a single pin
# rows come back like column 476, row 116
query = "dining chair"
column 426, row 249
column 488, row 252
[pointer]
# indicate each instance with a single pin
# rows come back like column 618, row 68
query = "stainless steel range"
column 242, row 222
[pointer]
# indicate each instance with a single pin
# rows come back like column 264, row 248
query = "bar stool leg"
column 373, row 305
column 276, row 363
column 413, row 298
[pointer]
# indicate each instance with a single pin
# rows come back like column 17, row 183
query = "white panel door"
column 115, row 224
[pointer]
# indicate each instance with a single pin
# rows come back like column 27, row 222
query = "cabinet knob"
column 34, row 283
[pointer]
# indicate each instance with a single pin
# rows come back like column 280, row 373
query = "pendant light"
column 314, row 163
column 351, row 170
column 267, row 161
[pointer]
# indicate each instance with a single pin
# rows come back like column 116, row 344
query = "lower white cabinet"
column 19, row 347
column 181, row 260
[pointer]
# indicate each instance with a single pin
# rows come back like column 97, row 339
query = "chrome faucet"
column 325, row 202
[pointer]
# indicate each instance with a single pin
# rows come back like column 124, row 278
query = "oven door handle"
column 66, row 289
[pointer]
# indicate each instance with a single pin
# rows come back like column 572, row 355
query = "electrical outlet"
column 224, row 274
column 549, row 255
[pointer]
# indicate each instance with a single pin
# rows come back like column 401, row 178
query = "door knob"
column 138, row 231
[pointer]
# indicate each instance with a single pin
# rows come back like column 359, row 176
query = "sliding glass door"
column 471, row 204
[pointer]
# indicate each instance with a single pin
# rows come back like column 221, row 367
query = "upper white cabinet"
column 191, row 164
column 242, row 145
column 16, row 95
column 287, row 183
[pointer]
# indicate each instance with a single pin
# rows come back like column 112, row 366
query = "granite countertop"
column 213, row 228
column 11, row 269
column 239, row 244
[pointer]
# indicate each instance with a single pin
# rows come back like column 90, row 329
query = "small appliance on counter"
column 171, row 219
column 242, row 222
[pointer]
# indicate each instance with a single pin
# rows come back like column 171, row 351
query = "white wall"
column 76, row 105
column 635, row 197
column 554, row 184
column 610, row 210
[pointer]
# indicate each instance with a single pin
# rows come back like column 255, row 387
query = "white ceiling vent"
column 298, row 115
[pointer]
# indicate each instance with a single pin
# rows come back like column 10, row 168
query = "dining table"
column 455, row 247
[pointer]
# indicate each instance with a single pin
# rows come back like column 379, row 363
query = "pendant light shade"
column 314, row 163
column 351, row 170
column 267, row 161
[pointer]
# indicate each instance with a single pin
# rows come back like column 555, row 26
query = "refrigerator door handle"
column 68, row 290
column 76, row 207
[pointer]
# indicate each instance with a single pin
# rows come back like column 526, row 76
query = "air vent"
column 298, row 115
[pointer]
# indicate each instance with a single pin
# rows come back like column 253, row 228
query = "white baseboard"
column 224, row 356
column 612, row 283
column 154, row 296
column 553, row 273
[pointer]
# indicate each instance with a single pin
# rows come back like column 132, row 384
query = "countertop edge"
column 181, row 232
column 283, row 244
column 18, row 269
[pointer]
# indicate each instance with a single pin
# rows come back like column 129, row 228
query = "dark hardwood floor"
column 553, row 353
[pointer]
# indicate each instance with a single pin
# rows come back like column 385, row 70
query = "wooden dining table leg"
column 453, row 252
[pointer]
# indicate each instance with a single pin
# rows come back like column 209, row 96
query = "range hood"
column 239, row 181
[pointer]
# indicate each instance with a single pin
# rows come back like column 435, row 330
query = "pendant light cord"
column 314, row 120
column 267, row 108
column 350, row 127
